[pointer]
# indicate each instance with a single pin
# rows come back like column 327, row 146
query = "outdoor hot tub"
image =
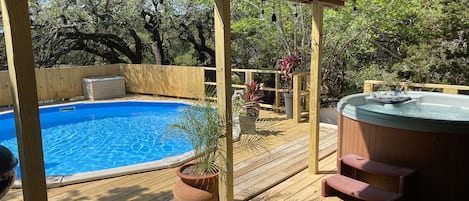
column 425, row 131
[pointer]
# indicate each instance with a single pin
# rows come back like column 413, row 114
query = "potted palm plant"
column 199, row 180
column 287, row 66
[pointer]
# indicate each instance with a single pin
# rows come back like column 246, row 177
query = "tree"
column 415, row 40
column 443, row 56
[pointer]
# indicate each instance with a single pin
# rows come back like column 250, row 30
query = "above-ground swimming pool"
column 428, row 133
column 89, row 140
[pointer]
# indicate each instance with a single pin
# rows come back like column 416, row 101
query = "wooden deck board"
column 283, row 162
column 281, row 170
column 288, row 188
column 262, row 159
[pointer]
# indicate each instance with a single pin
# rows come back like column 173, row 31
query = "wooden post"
column 315, row 101
column 23, row 85
column 223, row 65
column 367, row 86
column 296, row 98
column 248, row 77
column 277, row 93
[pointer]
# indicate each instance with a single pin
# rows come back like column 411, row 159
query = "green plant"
column 201, row 123
column 287, row 65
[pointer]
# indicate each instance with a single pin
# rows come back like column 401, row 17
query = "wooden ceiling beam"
column 331, row 3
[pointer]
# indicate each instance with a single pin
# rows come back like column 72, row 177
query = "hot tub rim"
column 346, row 108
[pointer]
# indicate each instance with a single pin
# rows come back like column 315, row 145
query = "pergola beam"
column 18, row 42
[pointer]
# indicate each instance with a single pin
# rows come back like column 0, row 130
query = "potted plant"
column 199, row 180
column 287, row 66
column 250, row 107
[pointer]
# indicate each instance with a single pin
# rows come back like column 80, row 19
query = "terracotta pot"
column 184, row 192
column 195, row 188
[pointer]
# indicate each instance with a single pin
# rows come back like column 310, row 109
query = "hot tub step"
column 357, row 189
column 374, row 167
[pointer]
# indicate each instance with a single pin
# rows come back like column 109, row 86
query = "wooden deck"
column 274, row 170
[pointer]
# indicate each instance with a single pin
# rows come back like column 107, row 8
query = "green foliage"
column 201, row 123
column 417, row 40
column 372, row 72
column 442, row 57
column 189, row 59
column 414, row 40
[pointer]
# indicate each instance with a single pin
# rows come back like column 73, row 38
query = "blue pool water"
column 86, row 137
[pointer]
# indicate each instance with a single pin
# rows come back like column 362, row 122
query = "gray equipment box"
column 96, row 88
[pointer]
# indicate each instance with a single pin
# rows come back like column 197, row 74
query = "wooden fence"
column 176, row 81
column 58, row 83
column 5, row 91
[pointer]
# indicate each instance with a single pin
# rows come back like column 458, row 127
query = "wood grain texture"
column 176, row 81
column 440, row 159
column 315, row 83
column 222, row 28
column 23, row 89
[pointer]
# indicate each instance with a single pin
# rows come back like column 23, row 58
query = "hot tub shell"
column 437, row 149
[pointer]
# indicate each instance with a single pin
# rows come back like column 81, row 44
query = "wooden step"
column 357, row 189
column 374, row 167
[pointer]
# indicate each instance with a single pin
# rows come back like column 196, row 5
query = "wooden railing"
column 301, row 96
column 300, row 90
column 373, row 85
column 249, row 75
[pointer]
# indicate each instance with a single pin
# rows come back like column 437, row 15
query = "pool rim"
column 165, row 163
column 348, row 107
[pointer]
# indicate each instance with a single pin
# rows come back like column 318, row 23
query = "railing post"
column 248, row 77
column 277, row 92
column 367, row 86
column 297, row 98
